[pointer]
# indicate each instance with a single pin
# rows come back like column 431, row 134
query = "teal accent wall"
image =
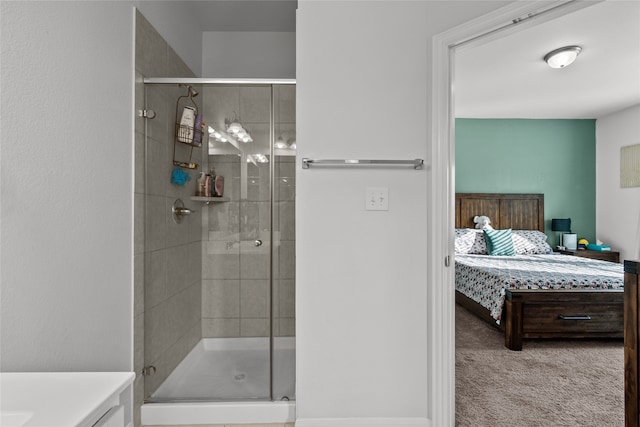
column 553, row 157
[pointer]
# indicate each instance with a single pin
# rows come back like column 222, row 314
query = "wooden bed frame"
column 532, row 313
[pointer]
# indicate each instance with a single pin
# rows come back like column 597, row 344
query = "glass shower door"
column 237, row 304
column 259, row 221
column 219, row 285
column 284, row 229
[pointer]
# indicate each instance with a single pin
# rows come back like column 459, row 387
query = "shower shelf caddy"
column 208, row 200
column 187, row 135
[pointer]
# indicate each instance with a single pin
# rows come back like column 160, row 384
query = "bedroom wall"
column 617, row 209
column 553, row 157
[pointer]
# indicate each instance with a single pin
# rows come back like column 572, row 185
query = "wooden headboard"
column 515, row 211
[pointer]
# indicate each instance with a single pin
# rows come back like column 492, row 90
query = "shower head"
column 191, row 92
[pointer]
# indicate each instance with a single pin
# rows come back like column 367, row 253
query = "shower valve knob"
column 178, row 211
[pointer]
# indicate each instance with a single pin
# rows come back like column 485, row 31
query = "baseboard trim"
column 363, row 422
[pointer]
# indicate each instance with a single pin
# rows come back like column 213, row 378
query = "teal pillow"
column 499, row 242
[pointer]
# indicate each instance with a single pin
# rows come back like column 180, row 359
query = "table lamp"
column 561, row 225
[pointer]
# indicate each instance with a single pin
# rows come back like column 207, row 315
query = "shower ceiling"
column 250, row 15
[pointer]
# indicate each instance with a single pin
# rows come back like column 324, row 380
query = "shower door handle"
column 258, row 242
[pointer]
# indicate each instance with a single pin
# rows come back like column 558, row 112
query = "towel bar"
column 416, row 163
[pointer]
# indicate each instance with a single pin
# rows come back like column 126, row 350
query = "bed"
column 535, row 294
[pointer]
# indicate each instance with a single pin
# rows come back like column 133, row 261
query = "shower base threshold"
column 250, row 412
column 227, row 381
column 208, row 400
column 232, row 369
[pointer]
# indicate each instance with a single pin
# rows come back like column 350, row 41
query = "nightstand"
column 610, row 256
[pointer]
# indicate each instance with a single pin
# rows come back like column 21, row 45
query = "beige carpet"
column 548, row 383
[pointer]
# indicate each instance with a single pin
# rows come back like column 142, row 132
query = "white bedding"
column 484, row 278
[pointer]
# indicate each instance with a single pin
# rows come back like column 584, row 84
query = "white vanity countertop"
column 52, row 399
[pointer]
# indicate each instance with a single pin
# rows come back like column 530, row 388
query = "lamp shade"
column 561, row 224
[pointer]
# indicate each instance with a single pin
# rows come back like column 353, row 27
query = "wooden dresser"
column 631, row 343
column 611, row 256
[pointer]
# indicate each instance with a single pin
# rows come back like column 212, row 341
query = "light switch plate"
column 377, row 198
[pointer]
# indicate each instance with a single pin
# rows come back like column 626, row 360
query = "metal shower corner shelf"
column 416, row 163
column 208, row 200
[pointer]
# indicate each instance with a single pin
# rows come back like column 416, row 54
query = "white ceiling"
column 507, row 77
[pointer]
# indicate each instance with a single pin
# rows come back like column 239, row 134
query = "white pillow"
column 470, row 241
column 525, row 242
column 530, row 242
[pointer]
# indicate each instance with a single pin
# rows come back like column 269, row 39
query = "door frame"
column 507, row 20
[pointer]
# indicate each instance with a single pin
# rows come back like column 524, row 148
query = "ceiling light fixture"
column 280, row 144
column 237, row 130
column 562, row 57
column 257, row 158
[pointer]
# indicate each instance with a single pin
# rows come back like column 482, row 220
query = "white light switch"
column 377, row 199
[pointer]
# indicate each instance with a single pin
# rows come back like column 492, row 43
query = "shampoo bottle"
column 207, row 186
column 200, row 185
column 219, row 185
column 197, row 128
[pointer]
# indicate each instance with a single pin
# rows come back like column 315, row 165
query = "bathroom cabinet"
column 66, row 399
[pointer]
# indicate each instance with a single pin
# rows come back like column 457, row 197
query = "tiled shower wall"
column 236, row 290
column 167, row 259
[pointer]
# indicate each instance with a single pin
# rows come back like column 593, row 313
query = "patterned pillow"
column 530, row 242
column 470, row 241
column 499, row 242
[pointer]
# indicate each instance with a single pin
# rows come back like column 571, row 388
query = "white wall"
column 249, row 54
column 617, row 209
column 363, row 91
column 66, row 185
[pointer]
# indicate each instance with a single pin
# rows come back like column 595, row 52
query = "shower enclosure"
column 219, row 271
